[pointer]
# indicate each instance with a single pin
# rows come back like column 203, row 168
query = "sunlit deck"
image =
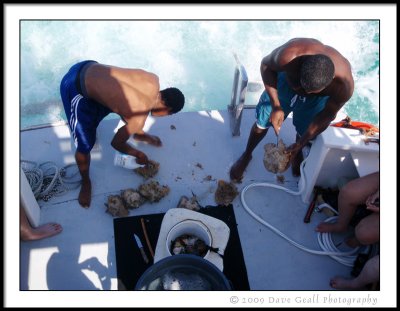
column 62, row 262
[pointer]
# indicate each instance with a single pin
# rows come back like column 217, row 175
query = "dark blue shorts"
column 304, row 108
column 83, row 114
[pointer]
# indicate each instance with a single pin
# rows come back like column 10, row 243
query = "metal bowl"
column 183, row 272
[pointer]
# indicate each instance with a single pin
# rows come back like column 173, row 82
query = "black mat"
column 130, row 265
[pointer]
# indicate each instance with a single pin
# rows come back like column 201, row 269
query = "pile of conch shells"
column 225, row 193
column 149, row 170
column 275, row 160
column 119, row 205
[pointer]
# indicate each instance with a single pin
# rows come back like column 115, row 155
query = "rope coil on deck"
column 48, row 180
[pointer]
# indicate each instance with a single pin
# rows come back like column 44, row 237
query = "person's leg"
column 83, row 162
column 237, row 169
column 367, row 230
column 28, row 233
column 351, row 196
column 369, row 274
column 296, row 161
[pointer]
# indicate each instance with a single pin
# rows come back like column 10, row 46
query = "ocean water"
column 196, row 56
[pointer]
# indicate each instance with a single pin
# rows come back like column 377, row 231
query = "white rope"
column 324, row 238
column 47, row 180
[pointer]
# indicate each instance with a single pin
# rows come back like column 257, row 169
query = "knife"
column 140, row 245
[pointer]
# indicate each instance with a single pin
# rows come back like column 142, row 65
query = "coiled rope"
column 324, row 238
column 48, row 180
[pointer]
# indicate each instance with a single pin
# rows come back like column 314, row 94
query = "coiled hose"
column 324, row 238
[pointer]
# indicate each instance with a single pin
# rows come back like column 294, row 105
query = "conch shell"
column 225, row 193
column 132, row 198
column 148, row 171
column 153, row 192
column 275, row 160
column 115, row 206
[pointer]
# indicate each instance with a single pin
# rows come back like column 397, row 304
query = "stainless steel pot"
column 183, row 272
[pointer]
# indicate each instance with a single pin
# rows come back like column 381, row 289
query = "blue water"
column 195, row 56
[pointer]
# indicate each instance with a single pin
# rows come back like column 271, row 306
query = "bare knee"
column 367, row 233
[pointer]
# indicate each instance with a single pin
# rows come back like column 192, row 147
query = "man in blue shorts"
column 305, row 77
column 90, row 91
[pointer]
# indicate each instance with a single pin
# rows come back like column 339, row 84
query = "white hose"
column 324, row 238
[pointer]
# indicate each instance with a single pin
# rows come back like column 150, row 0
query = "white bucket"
column 189, row 227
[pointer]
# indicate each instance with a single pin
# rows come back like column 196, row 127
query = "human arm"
column 151, row 139
column 120, row 139
column 339, row 92
column 317, row 126
column 269, row 72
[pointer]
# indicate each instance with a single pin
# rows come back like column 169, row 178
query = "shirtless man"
column 90, row 91
column 304, row 76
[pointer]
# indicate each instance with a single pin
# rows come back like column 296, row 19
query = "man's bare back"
column 124, row 91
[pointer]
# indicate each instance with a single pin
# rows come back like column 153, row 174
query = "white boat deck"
column 82, row 257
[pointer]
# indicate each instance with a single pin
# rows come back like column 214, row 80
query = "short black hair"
column 316, row 72
column 173, row 99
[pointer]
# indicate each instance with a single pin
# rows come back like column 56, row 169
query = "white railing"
column 239, row 90
column 241, row 86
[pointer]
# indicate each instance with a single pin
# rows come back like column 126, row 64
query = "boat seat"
column 337, row 154
column 28, row 202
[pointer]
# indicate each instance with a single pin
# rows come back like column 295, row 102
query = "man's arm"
column 120, row 139
column 342, row 92
column 320, row 122
column 269, row 76
column 269, row 72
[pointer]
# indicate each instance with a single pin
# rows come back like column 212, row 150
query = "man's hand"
column 276, row 118
column 293, row 150
column 150, row 139
column 155, row 141
column 141, row 158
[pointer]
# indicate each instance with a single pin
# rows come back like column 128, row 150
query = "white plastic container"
column 125, row 160
column 189, row 227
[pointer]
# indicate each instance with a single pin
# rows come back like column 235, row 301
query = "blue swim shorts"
column 83, row 114
column 304, row 108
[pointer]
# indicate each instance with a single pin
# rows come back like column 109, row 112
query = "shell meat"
column 225, row 193
column 132, row 198
column 153, row 192
column 275, row 160
column 115, row 206
column 189, row 244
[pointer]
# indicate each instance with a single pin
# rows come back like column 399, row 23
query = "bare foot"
column 237, row 169
column 342, row 283
column 85, row 195
column 329, row 227
column 43, row 231
column 150, row 139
